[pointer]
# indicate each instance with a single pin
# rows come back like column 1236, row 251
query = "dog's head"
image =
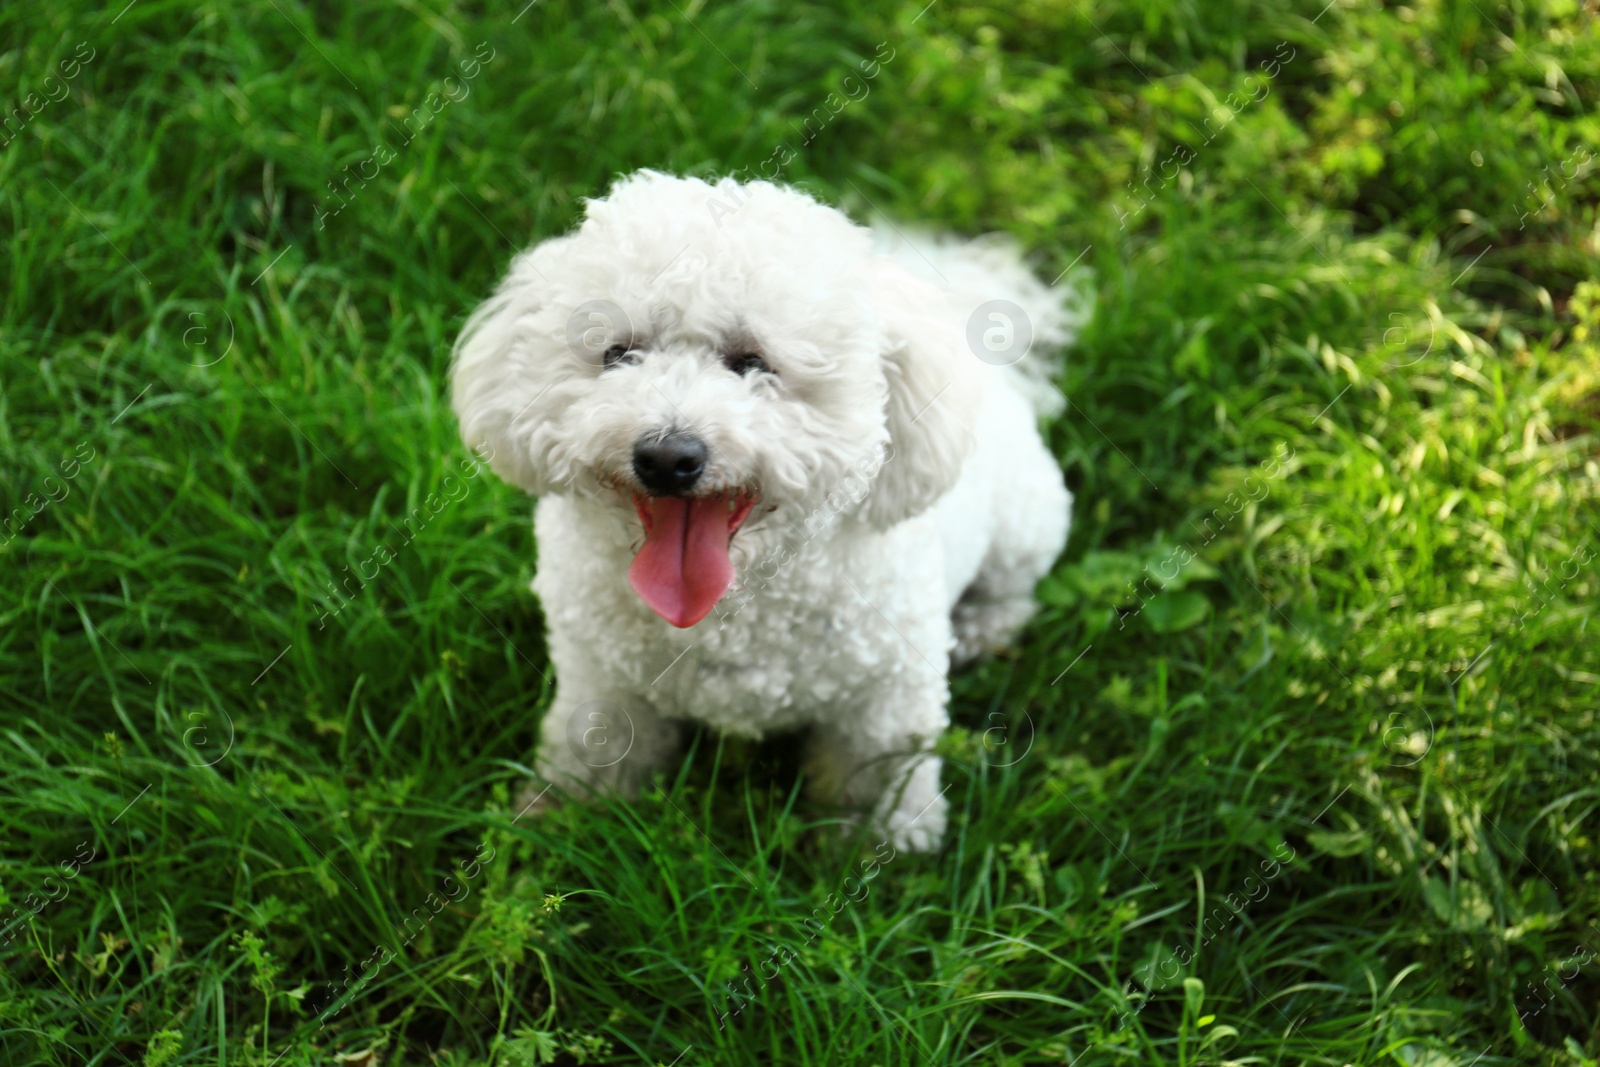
column 724, row 363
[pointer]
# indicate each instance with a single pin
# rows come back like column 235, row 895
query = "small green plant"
column 162, row 1049
column 264, row 970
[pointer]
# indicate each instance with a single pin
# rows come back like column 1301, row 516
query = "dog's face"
column 721, row 363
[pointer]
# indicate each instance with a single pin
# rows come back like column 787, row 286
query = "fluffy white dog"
column 786, row 471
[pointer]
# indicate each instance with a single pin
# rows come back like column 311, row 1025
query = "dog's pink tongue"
column 683, row 568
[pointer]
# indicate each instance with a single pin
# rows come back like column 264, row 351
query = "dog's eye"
column 619, row 353
column 746, row 362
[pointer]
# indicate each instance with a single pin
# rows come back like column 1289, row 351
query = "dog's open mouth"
column 684, row 567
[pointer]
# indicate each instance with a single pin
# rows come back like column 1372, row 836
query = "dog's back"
column 1006, row 519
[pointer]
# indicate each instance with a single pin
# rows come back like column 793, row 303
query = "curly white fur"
column 906, row 504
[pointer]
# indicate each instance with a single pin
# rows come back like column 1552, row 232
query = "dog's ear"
column 934, row 389
column 501, row 370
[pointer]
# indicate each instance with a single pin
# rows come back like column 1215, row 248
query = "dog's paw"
column 917, row 829
column 985, row 628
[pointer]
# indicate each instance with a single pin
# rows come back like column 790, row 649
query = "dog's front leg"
column 600, row 738
column 881, row 762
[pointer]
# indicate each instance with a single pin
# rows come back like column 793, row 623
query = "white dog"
column 785, row 473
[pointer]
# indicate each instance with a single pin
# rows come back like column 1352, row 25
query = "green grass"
column 1327, row 797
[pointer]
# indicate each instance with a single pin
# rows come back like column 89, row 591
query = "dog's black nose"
column 670, row 465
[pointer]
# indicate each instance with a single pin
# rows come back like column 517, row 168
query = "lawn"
column 1298, row 764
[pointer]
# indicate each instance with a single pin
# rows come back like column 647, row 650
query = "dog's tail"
column 1012, row 318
